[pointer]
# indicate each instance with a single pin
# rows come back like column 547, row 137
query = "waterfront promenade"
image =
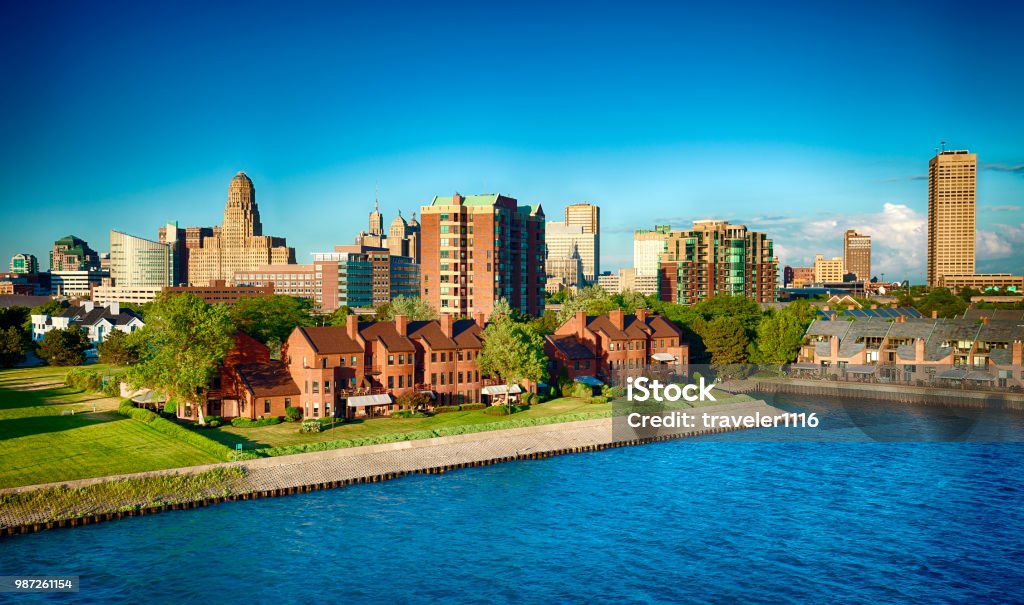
column 341, row 467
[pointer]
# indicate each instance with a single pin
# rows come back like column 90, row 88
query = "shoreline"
column 301, row 473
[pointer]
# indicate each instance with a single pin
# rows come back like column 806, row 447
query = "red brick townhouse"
column 599, row 346
column 249, row 385
column 446, row 355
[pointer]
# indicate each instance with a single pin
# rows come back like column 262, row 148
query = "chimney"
column 402, row 324
column 833, row 348
column 874, row 307
column 826, row 308
column 446, row 324
column 893, row 305
column 87, row 306
column 616, row 317
column 641, row 314
column 581, row 323
column 480, row 318
column 352, row 326
column 919, row 349
column 114, row 308
column 1016, row 354
column 935, row 313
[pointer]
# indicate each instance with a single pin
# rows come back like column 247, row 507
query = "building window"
column 391, row 382
column 341, row 360
column 433, row 357
column 400, row 382
column 316, row 386
column 433, row 378
column 266, row 406
column 327, row 386
column 391, row 360
column 287, row 402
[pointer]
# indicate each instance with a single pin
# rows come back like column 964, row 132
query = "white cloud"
column 992, row 245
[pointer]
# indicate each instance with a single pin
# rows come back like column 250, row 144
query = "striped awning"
column 365, row 400
column 500, row 389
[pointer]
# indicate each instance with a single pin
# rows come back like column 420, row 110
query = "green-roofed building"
column 73, row 254
column 477, row 249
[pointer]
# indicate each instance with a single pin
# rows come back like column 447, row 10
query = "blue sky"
column 798, row 119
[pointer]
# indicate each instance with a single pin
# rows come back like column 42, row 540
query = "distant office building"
column 24, row 263
column 402, row 237
column 563, row 273
column 73, row 254
column 481, row 248
column 828, row 270
column 218, row 291
column 239, row 245
column 75, row 283
column 107, row 292
column 105, row 262
column 628, row 279
column 648, row 246
column 952, row 187
column 182, row 242
column 354, row 276
column 715, row 257
column 798, row 277
column 857, row 254
column 983, row 282
column 587, row 217
column 135, row 261
column 564, row 241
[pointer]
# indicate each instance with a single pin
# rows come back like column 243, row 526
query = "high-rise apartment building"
column 24, row 263
column 73, row 254
column 648, row 246
column 588, row 217
column 478, row 249
column 714, row 258
column 952, row 185
column 135, row 261
column 828, row 270
column 857, row 254
column 239, row 244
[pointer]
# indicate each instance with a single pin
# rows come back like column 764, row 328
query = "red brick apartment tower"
column 478, row 249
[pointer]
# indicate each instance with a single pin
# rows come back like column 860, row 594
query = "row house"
column 446, row 358
column 942, row 352
column 615, row 344
column 249, row 384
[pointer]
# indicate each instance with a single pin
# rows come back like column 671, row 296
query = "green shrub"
column 582, row 391
column 112, row 388
column 311, row 425
column 86, row 379
column 472, row 406
column 497, row 410
column 408, row 414
column 292, row 414
column 170, row 408
column 599, row 399
column 172, row 429
column 247, row 423
column 443, row 409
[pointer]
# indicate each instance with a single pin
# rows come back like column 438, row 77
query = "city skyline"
column 659, row 131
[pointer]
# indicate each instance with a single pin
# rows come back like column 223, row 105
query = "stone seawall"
column 312, row 471
column 881, row 392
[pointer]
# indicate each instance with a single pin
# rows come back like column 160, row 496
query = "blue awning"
column 589, row 381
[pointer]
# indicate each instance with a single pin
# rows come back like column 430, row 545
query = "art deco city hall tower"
column 239, row 245
column 952, row 203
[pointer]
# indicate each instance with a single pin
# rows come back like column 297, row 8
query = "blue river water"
column 730, row 517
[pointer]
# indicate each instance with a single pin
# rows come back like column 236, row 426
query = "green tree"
column 339, row 317
column 546, row 323
column 14, row 317
column 779, row 336
column 747, row 311
column 120, row 348
column 630, row 300
column 186, row 341
column 412, row 307
column 725, row 339
column 942, row 301
column 64, row 347
column 593, row 300
column 501, row 309
column 266, row 317
column 12, row 346
column 512, row 352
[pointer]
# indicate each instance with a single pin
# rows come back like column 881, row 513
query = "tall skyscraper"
column 565, row 240
column 857, row 254
column 715, row 257
column 952, row 202
column 376, row 219
column 478, row 249
column 135, row 261
column 828, row 270
column 239, row 244
column 587, row 216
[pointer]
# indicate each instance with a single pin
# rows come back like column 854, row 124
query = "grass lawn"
column 39, row 444
column 287, row 433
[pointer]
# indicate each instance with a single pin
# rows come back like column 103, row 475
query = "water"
column 717, row 519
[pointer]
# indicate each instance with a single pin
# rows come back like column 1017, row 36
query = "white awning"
column 500, row 389
column 663, row 357
column 365, row 400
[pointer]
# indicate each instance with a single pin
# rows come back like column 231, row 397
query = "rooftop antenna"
column 376, row 196
column 943, row 146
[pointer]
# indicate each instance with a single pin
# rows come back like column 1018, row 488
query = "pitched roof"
column 632, row 328
column 467, row 333
column 661, row 327
column 267, row 380
column 385, row 332
column 571, row 347
column 329, row 340
column 431, row 332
